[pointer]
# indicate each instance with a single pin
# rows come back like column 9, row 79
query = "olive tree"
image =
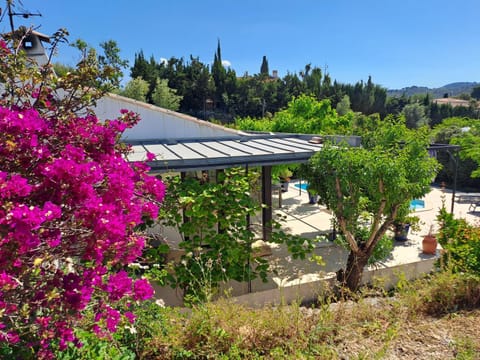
column 381, row 177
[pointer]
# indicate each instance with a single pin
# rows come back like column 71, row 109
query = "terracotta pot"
column 429, row 244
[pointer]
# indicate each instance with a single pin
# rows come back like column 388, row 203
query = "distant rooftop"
column 452, row 101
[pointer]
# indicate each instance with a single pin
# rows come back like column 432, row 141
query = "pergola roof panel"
column 228, row 150
column 297, row 143
column 161, row 151
column 137, row 153
column 247, row 147
column 251, row 149
column 183, row 151
column 265, row 147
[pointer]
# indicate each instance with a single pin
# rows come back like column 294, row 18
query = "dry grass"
column 449, row 337
column 388, row 331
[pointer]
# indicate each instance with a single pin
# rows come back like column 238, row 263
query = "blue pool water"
column 303, row 186
column 417, row 204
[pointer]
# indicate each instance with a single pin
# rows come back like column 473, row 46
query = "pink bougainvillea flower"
column 70, row 207
column 142, row 289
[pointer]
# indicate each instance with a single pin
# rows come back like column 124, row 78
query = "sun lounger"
column 473, row 206
column 469, row 198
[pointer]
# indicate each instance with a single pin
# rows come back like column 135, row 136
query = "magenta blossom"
column 142, row 289
column 70, row 207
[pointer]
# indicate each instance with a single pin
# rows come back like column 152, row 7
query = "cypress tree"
column 219, row 76
column 264, row 67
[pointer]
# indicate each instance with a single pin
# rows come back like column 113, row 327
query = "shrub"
column 449, row 292
column 95, row 348
column 233, row 331
column 460, row 242
column 131, row 341
column 70, row 204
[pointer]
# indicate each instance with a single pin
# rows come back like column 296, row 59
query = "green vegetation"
column 435, row 316
column 380, row 179
column 264, row 67
column 220, row 93
column 304, row 115
column 466, row 133
column 164, row 96
column 217, row 237
column 136, row 89
column 382, row 250
column 460, row 242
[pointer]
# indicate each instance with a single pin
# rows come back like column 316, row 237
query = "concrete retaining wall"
column 308, row 291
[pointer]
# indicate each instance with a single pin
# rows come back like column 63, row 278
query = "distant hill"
column 452, row 89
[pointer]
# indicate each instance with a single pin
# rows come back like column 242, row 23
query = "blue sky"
column 398, row 42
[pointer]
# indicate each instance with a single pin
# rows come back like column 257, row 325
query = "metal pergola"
column 250, row 149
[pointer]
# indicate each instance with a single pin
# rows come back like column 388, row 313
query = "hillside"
column 452, row 89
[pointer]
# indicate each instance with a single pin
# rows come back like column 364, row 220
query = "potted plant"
column 284, row 174
column 403, row 224
column 429, row 242
column 312, row 196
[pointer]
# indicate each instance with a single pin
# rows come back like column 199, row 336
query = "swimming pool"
column 417, row 204
column 303, row 186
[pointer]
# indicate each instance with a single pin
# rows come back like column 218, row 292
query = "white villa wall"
column 156, row 122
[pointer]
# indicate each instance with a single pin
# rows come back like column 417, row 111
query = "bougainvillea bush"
column 69, row 207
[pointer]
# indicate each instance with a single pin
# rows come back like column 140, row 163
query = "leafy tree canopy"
column 165, row 97
column 415, row 115
column 469, row 140
column 305, row 115
column 381, row 178
column 136, row 89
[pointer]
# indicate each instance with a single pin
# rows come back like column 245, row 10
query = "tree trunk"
column 352, row 275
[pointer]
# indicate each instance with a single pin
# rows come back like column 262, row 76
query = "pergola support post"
column 454, row 158
column 183, row 175
column 267, row 201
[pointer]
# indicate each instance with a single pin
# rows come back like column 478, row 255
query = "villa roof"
column 23, row 31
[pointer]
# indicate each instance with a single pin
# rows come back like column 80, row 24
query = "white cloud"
column 163, row 61
column 226, row 63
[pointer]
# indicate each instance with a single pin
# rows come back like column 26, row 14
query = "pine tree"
column 140, row 66
column 146, row 70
